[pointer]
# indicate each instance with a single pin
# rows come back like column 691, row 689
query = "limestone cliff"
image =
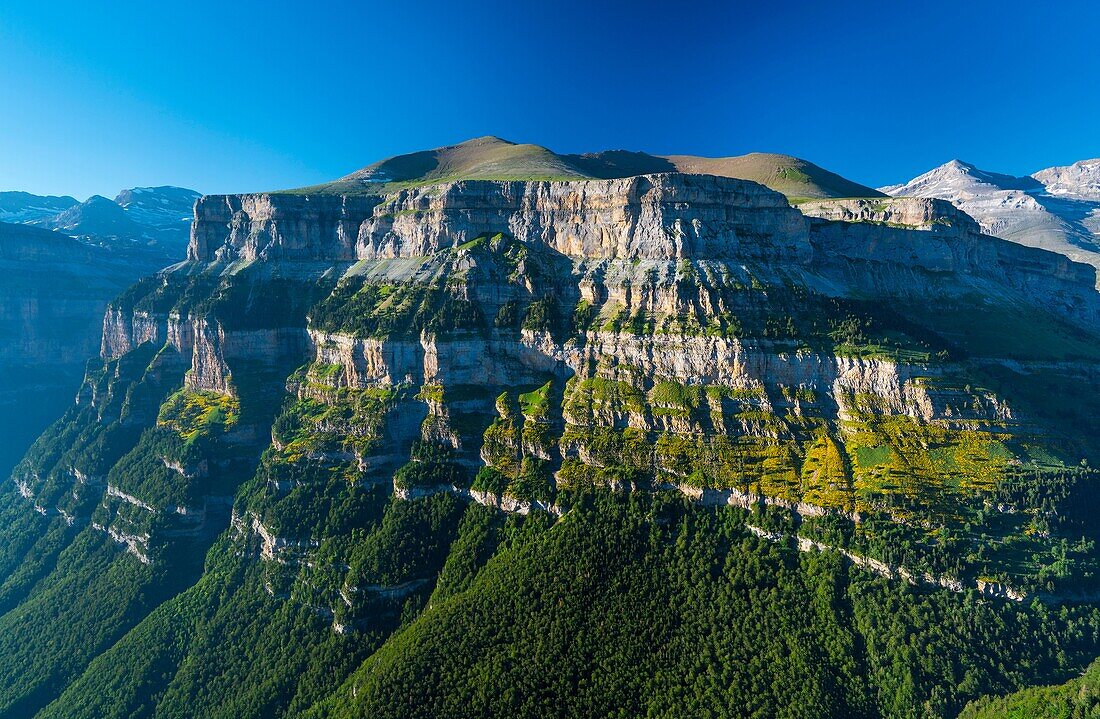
column 916, row 213
column 277, row 227
column 646, row 217
column 652, row 217
column 513, row 342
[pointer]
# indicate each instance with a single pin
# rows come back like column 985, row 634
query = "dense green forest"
column 1079, row 698
column 629, row 605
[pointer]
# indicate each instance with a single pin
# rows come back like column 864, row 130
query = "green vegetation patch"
column 395, row 311
column 195, row 413
column 348, row 421
column 535, row 404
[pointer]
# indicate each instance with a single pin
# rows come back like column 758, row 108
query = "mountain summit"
column 95, row 217
column 956, row 178
column 492, row 158
column 162, row 207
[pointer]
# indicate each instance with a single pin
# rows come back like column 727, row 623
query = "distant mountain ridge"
column 158, row 216
column 1056, row 209
column 491, row 158
column 96, row 216
column 25, row 207
column 166, row 208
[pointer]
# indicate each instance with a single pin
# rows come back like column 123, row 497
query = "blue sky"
column 236, row 96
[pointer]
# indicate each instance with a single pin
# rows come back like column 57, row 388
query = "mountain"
column 25, row 207
column 495, row 159
column 160, row 216
column 1081, row 180
column 481, row 158
column 654, row 445
column 165, row 210
column 52, row 299
column 96, row 217
column 793, row 177
column 1056, row 209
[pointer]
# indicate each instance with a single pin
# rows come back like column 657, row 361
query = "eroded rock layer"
column 321, row 395
column 513, row 341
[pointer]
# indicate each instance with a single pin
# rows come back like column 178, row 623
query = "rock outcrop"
column 914, row 213
column 652, row 217
column 646, row 217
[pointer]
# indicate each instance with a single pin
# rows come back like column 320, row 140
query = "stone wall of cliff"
column 908, row 247
column 277, row 227
column 697, row 331
column 646, row 217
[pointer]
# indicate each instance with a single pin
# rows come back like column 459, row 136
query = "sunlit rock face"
column 511, row 342
column 649, row 217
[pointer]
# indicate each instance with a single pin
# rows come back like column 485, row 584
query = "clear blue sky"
column 235, row 96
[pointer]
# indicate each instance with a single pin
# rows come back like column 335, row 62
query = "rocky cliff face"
column 511, row 342
column 330, row 380
column 277, row 227
column 914, row 213
column 648, row 217
column 880, row 259
column 654, row 217
column 651, row 217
